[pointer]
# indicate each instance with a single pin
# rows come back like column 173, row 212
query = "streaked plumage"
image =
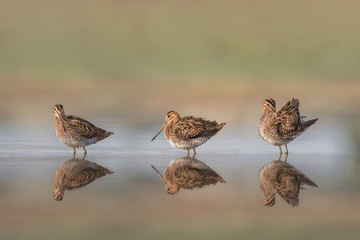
column 76, row 132
column 280, row 128
column 188, row 132
column 76, row 173
column 281, row 178
column 188, row 173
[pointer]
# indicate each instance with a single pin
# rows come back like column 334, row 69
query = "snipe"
column 76, row 132
column 280, row 128
column 188, row 132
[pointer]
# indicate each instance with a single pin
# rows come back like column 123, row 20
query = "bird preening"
column 280, row 128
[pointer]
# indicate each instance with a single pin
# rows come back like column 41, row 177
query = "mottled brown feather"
column 190, row 127
column 74, row 131
column 282, row 127
column 188, row 132
column 289, row 118
column 84, row 127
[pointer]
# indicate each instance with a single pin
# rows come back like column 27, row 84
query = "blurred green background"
column 112, row 51
column 133, row 61
column 225, row 55
column 152, row 39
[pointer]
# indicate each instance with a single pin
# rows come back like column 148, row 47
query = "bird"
column 188, row 132
column 76, row 173
column 280, row 128
column 284, row 179
column 188, row 173
column 76, row 132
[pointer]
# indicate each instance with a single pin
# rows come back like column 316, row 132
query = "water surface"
column 132, row 202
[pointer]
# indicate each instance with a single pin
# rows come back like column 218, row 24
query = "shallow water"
column 132, row 202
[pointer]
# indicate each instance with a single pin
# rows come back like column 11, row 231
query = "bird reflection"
column 188, row 173
column 284, row 179
column 76, row 173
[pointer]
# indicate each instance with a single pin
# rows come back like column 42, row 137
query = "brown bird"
column 281, row 178
column 280, row 128
column 188, row 173
column 76, row 173
column 188, row 132
column 76, row 132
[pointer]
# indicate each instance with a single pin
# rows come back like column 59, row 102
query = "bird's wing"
column 289, row 118
column 188, row 128
column 84, row 127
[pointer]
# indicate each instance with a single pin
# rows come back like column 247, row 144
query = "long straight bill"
column 158, row 132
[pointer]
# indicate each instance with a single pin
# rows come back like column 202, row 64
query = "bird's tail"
column 221, row 180
column 306, row 124
column 105, row 135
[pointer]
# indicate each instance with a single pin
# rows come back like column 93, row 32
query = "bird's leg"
column 188, row 153
column 280, row 153
column 85, row 152
column 194, row 152
column 74, row 153
column 285, row 157
column 286, row 150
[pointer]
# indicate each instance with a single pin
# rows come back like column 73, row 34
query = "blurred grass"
column 145, row 102
column 220, row 57
column 112, row 39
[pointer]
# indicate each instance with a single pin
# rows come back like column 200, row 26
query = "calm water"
column 132, row 202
